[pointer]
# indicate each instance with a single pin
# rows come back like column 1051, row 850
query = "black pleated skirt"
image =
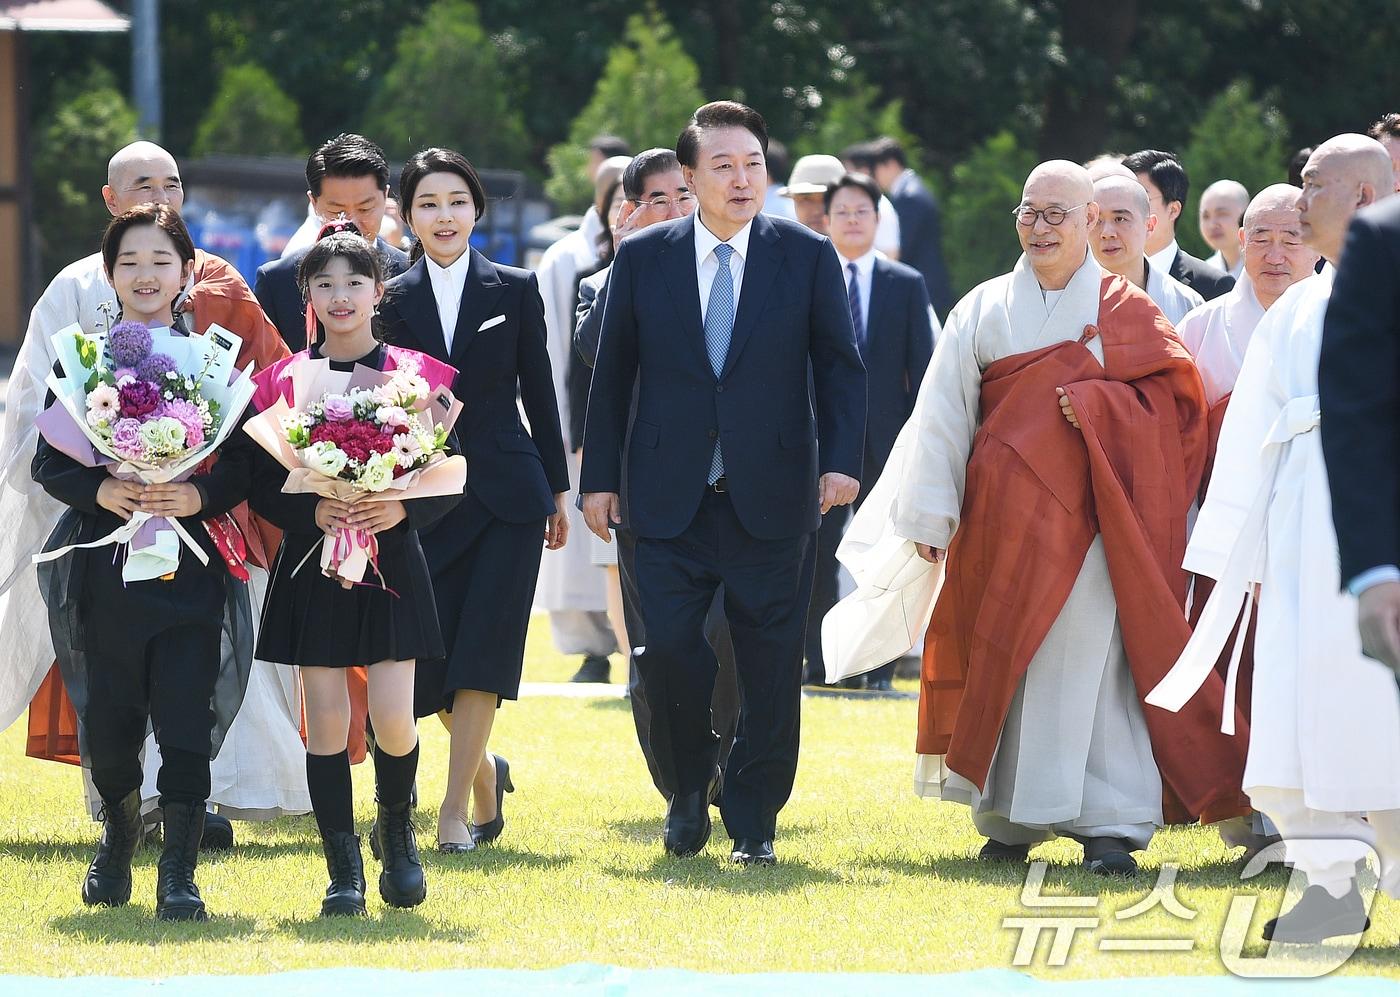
column 310, row 620
column 484, row 571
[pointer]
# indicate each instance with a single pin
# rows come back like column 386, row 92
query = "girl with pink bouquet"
column 326, row 624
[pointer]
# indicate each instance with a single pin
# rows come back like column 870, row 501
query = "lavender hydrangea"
column 155, row 367
column 129, row 343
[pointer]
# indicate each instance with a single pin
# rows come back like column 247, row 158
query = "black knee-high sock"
column 328, row 780
column 394, row 775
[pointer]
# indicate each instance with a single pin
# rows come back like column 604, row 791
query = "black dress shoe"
column 345, row 896
column 688, row 819
column 177, row 896
column 484, row 834
column 753, row 851
column 1109, row 857
column 999, row 851
column 108, row 879
column 218, row 833
column 595, row 668
column 1318, row 916
column 401, row 882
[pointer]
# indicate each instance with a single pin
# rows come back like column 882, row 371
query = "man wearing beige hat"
column 807, row 186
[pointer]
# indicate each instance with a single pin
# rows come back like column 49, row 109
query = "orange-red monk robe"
column 1038, row 494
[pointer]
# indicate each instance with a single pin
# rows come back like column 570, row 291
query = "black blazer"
column 275, row 287
column 898, row 347
column 792, row 318
column 1207, row 281
column 515, row 473
column 921, row 238
column 1358, row 384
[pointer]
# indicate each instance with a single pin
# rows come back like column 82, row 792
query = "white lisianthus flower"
column 392, row 415
column 378, row 472
column 324, row 458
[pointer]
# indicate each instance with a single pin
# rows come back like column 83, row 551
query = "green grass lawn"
column 871, row 878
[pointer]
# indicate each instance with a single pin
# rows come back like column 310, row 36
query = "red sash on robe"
column 1038, row 492
column 220, row 296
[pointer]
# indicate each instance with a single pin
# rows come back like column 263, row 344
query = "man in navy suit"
column 895, row 327
column 1166, row 183
column 733, row 326
column 347, row 176
column 920, row 227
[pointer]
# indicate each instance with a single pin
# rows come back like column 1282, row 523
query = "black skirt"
column 484, row 571
column 311, row 620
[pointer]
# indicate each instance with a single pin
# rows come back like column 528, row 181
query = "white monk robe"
column 568, row 579
column 1325, row 721
column 1217, row 334
column 1171, row 295
column 1074, row 756
column 260, row 771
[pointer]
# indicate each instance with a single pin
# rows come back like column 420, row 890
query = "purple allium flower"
column 155, row 367
column 139, row 399
column 129, row 343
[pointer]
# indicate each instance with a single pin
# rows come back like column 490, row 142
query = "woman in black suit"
column 488, row 322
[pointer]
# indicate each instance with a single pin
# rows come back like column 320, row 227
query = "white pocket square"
column 490, row 322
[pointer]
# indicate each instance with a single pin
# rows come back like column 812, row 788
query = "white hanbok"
column 1218, row 332
column 568, row 579
column 1073, row 755
column 1325, row 720
column 260, row 771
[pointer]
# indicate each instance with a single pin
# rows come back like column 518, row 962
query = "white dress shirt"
column 1164, row 258
column 887, row 229
column 447, row 290
column 1171, row 295
column 865, row 273
column 707, row 263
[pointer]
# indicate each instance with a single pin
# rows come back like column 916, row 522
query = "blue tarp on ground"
column 611, row 981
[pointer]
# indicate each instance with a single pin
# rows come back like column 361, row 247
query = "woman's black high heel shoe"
column 484, row 834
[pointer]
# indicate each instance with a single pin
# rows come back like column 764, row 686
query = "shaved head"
column 1124, row 190
column 1276, row 197
column 1107, row 166
column 1056, row 252
column 1275, row 256
column 1229, row 191
column 1343, row 174
column 142, row 173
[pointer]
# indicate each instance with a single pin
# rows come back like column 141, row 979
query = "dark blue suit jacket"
column 898, row 347
column 513, row 472
column 921, row 238
column 1358, row 384
column 275, row 287
column 792, row 319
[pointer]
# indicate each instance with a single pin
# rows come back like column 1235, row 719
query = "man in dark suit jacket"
column 730, row 324
column 894, row 327
column 1167, row 186
column 347, row 176
column 1359, row 390
column 920, row 227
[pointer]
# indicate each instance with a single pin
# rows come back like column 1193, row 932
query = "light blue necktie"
column 719, row 328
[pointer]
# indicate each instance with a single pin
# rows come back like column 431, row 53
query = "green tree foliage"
column 647, row 92
column 87, row 123
column 251, row 115
column 1236, row 138
column 446, row 87
column 856, row 115
column 979, row 234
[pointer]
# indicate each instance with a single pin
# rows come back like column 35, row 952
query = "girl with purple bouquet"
column 172, row 652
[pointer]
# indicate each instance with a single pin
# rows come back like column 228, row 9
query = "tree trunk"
column 1095, row 36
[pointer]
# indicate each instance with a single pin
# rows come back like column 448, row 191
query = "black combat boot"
column 108, row 880
column 177, row 898
column 345, row 896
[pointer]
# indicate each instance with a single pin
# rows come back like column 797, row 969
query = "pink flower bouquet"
column 360, row 436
